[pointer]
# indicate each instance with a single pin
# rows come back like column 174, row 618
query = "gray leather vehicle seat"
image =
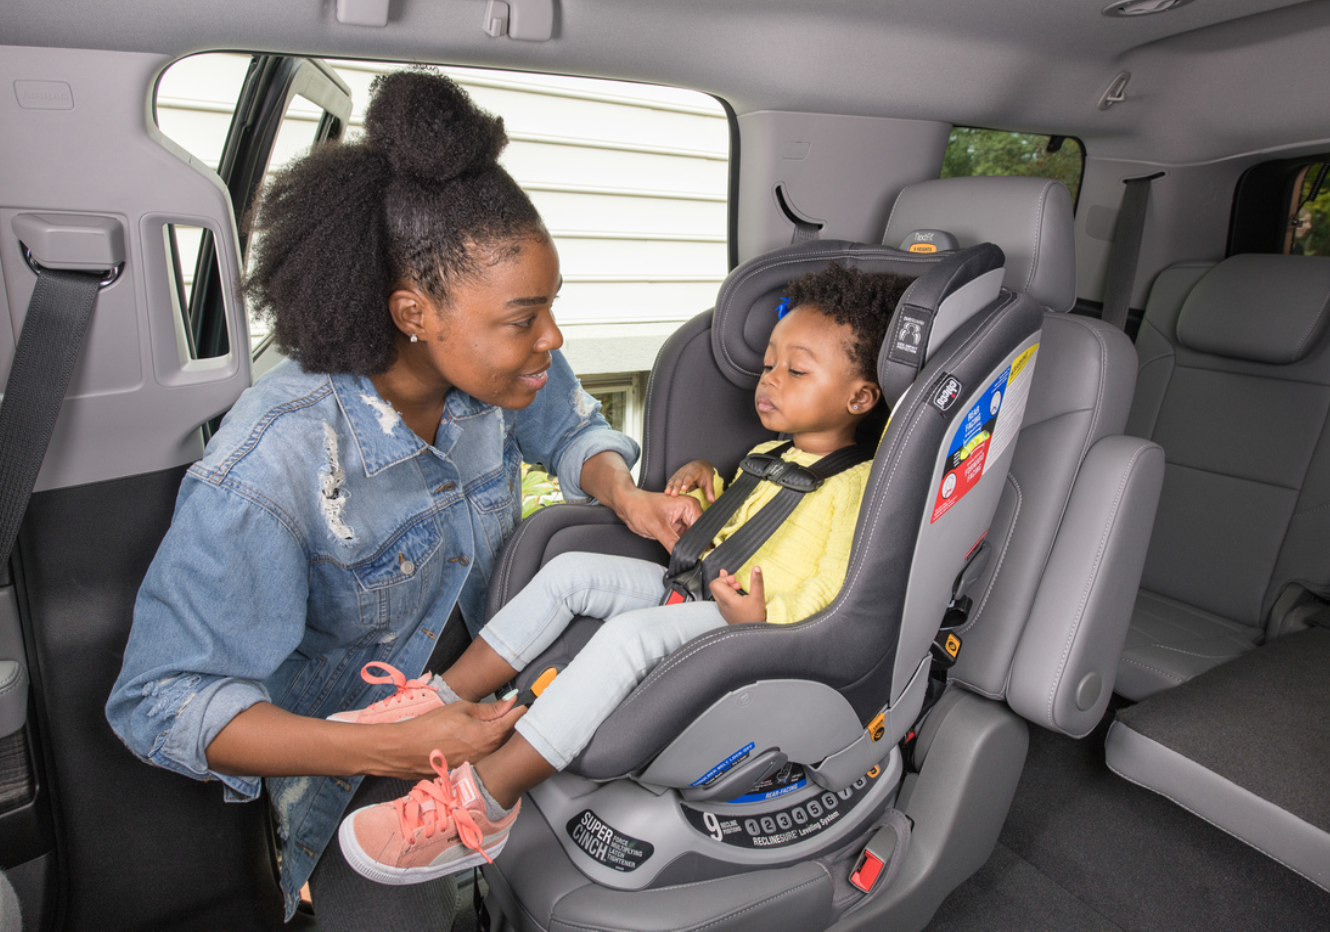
column 1234, row 384
column 1051, row 611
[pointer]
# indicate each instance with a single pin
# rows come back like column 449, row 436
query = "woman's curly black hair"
column 420, row 199
column 864, row 301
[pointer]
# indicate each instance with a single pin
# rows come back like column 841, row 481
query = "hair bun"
column 428, row 127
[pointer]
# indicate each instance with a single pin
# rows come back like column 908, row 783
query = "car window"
column 632, row 181
column 1308, row 232
column 972, row 151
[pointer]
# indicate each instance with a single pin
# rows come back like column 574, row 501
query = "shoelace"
column 405, row 687
column 433, row 806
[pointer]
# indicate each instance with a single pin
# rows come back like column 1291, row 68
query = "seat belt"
column 49, row 345
column 1125, row 252
column 687, row 579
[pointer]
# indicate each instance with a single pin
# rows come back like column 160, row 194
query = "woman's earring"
column 855, row 407
column 414, row 338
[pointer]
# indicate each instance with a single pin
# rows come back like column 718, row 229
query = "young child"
column 818, row 386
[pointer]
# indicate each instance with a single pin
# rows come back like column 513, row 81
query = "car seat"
column 1235, row 384
column 744, row 782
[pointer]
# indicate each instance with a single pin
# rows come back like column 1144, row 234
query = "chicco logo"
column 947, row 393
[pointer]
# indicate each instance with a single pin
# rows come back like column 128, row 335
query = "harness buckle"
column 782, row 472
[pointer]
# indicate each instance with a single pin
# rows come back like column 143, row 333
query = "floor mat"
column 1258, row 721
column 1083, row 844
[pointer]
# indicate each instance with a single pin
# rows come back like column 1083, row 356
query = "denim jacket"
column 318, row 533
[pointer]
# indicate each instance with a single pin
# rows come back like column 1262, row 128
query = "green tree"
column 973, row 151
column 1316, row 242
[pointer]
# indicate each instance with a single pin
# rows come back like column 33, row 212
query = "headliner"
column 1210, row 80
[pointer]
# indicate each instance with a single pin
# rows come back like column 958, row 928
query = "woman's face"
column 494, row 337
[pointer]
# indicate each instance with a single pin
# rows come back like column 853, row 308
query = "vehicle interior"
column 1082, row 694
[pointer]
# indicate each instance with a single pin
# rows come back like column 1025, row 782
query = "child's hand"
column 736, row 607
column 695, row 475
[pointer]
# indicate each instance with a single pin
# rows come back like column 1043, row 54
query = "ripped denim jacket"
column 316, row 534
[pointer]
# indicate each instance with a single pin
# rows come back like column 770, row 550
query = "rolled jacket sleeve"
column 222, row 604
column 563, row 428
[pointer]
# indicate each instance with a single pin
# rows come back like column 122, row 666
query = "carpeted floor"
column 1084, row 849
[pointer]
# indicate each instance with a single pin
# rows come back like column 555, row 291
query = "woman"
column 360, row 492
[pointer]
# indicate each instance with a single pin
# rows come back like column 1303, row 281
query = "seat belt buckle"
column 688, row 585
column 874, row 859
column 866, row 871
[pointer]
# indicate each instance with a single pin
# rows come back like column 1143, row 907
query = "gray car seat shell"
column 1051, row 610
column 816, row 683
column 1235, row 385
column 1070, row 534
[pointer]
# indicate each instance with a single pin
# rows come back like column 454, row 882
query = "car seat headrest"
column 1030, row 218
column 1263, row 308
column 746, row 307
column 939, row 301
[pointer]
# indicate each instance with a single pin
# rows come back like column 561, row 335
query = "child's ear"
column 865, row 398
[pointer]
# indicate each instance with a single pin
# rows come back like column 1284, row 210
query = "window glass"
column 1309, row 219
column 632, row 181
column 972, row 151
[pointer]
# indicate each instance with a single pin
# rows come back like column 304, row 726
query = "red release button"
column 867, row 871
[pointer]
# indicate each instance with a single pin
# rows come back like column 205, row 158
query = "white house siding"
column 631, row 180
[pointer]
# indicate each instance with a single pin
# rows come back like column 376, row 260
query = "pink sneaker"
column 438, row 828
column 413, row 697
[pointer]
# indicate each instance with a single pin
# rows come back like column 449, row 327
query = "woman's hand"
column 736, row 607
column 267, row 741
column 463, row 731
column 657, row 515
column 699, row 474
column 647, row 514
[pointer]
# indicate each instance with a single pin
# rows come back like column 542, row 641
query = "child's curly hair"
column 863, row 300
column 419, row 200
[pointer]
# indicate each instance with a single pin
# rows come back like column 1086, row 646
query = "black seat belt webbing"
column 689, row 572
column 53, row 333
column 1125, row 252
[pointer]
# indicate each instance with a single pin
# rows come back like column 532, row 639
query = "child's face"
column 808, row 384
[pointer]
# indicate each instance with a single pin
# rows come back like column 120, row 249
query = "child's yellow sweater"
column 804, row 562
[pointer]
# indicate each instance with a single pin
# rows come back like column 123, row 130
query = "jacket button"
column 408, row 567
column 446, row 487
column 463, row 560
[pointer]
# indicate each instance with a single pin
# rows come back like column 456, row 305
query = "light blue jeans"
column 638, row 633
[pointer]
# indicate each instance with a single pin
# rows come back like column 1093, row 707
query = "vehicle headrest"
column 746, row 305
column 1263, row 308
column 1030, row 218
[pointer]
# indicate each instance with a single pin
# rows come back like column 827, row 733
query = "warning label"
column 987, row 429
column 781, row 827
column 1013, row 406
column 606, row 846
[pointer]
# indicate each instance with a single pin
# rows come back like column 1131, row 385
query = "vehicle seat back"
column 1235, row 385
column 1050, row 612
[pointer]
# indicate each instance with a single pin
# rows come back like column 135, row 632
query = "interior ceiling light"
column 1142, row 7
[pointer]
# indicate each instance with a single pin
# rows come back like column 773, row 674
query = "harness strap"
column 688, row 578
